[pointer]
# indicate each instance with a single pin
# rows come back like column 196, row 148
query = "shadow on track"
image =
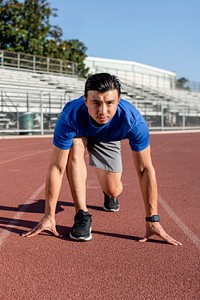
column 13, row 224
column 38, row 206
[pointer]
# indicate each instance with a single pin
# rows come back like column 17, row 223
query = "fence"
column 170, row 116
column 164, row 108
column 39, row 112
column 37, row 63
column 156, row 80
column 35, row 113
column 137, row 73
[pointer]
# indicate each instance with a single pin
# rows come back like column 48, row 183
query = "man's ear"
column 85, row 100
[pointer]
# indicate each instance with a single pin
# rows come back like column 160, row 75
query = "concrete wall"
column 132, row 72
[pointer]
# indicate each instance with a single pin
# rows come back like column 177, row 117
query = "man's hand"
column 47, row 223
column 154, row 228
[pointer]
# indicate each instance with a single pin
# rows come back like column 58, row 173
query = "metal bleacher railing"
column 164, row 106
column 166, row 109
column 37, row 63
column 33, row 91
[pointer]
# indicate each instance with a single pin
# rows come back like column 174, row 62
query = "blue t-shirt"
column 127, row 123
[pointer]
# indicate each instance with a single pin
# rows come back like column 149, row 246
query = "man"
column 99, row 121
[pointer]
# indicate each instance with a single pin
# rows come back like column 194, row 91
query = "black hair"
column 102, row 82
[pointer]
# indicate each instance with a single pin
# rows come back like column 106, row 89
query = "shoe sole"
column 111, row 209
column 81, row 238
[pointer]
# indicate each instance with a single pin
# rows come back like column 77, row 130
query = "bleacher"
column 153, row 92
column 44, row 94
column 25, row 91
column 17, row 85
column 148, row 98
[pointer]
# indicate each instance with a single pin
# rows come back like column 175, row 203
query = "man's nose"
column 103, row 109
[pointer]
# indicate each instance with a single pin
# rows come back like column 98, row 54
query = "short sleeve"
column 139, row 135
column 63, row 135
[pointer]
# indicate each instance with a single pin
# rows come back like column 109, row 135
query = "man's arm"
column 52, row 189
column 148, row 185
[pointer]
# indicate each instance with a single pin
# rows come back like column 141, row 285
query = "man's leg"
column 77, row 174
column 110, row 182
column 106, row 158
column 112, row 187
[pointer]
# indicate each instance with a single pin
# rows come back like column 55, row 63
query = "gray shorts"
column 105, row 155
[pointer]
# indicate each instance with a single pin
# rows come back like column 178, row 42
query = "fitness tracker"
column 154, row 218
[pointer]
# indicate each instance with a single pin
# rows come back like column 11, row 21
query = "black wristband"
column 154, row 218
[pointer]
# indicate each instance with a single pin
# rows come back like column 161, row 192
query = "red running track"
column 114, row 265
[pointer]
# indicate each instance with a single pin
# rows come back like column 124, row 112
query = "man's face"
column 102, row 106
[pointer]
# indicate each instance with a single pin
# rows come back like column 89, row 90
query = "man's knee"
column 79, row 142
column 77, row 151
column 78, row 147
column 114, row 189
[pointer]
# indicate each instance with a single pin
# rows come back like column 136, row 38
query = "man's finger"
column 143, row 240
column 172, row 241
column 32, row 232
column 55, row 232
column 164, row 236
column 36, row 231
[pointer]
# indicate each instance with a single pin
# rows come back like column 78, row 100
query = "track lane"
column 114, row 265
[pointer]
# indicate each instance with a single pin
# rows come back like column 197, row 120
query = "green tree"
column 25, row 27
column 37, row 15
column 12, row 32
column 74, row 50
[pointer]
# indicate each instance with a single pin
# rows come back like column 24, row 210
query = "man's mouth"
column 102, row 119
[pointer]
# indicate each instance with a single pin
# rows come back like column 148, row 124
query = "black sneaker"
column 81, row 230
column 110, row 204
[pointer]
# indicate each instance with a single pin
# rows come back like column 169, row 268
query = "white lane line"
column 186, row 230
column 160, row 146
column 175, row 131
column 23, row 156
column 5, row 233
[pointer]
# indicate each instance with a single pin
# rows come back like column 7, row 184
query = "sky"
column 159, row 33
